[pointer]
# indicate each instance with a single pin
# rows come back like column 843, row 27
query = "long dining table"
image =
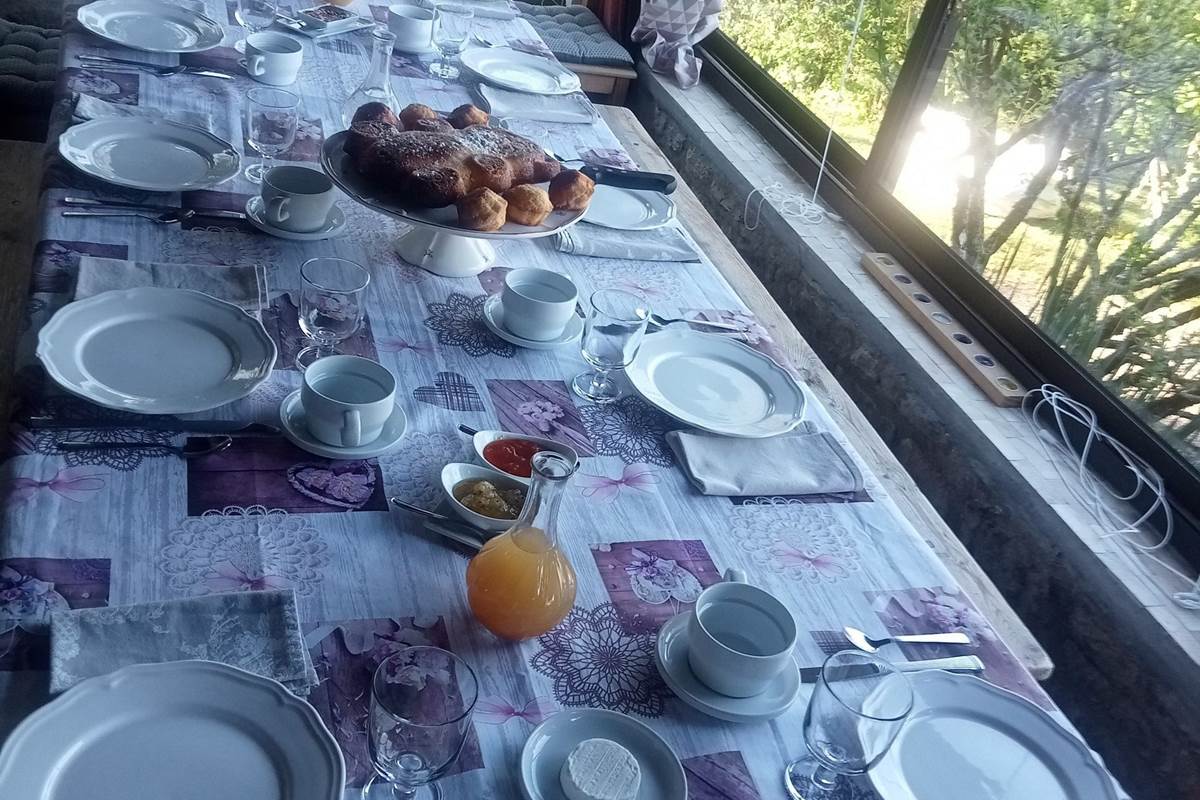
column 125, row 525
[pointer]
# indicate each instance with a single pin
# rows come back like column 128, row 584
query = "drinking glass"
column 421, row 704
column 331, row 304
column 858, row 706
column 451, row 29
column 254, row 16
column 271, row 119
column 612, row 334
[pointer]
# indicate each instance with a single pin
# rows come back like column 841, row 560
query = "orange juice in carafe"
column 521, row 584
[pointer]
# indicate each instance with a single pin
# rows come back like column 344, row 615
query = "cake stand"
column 435, row 241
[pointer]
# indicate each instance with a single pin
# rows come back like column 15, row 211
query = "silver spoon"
column 865, row 643
column 161, row 70
column 165, row 218
column 662, row 322
column 187, row 451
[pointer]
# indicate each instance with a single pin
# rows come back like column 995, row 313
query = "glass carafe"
column 521, row 584
column 377, row 86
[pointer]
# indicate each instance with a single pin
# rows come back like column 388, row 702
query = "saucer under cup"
column 740, row 638
column 297, row 199
column 412, row 26
column 273, row 58
column 347, row 400
column 537, row 303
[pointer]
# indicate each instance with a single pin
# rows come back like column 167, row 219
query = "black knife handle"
column 659, row 182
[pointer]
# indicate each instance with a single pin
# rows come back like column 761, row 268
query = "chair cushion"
column 28, row 64
column 575, row 35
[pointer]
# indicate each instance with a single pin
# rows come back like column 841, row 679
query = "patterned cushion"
column 574, row 34
column 28, row 64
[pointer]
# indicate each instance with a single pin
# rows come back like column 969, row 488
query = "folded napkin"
column 799, row 463
column 257, row 631
column 88, row 107
column 568, row 108
column 244, row 286
column 667, row 243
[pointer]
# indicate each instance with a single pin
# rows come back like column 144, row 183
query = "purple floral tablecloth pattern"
column 131, row 526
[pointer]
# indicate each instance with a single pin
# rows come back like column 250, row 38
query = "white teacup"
column 347, row 400
column 297, row 198
column 739, row 638
column 413, row 26
column 537, row 303
column 273, row 58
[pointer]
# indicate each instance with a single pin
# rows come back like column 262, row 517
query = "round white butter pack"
column 600, row 769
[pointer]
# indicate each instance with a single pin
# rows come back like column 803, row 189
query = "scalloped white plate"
column 186, row 730
column 966, row 738
column 151, row 25
column 716, row 383
column 156, row 351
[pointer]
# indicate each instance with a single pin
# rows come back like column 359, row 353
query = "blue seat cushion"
column 575, row 35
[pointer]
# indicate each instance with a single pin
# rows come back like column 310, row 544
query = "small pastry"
column 466, row 115
column 432, row 126
column 571, row 190
column 528, row 204
column 364, row 134
column 375, row 112
column 411, row 113
column 488, row 172
column 482, row 210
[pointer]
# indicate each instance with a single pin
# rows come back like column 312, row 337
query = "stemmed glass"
column 451, row 29
column 271, row 119
column 421, row 704
column 858, row 706
column 331, row 304
column 612, row 334
column 254, row 16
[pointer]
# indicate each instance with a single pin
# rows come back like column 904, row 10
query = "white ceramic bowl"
column 453, row 474
column 482, row 439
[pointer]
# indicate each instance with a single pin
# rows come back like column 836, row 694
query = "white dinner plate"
column 551, row 742
column 151, row 25
column 154, row 155
column 186, row 730
column 629, row 209
column 340, row 167
column 156, row 351
column 716, row 383
column 521, row 72
column 966, row 738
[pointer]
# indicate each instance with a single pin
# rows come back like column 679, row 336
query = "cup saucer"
column 671, row 656
column 493, row 317
column 291, row 416
column 335, row 223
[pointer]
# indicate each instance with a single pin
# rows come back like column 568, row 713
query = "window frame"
column 858, row 190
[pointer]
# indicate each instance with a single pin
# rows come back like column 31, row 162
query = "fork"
column 161, row 70
column 165, row 218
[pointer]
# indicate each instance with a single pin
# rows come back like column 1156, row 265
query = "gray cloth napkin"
column 257, row 631
column 798, row 463
column 667, row 243
column 244, row 286
column 88, row 107
column 569, row 108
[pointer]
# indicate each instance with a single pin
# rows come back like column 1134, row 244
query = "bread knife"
column 659, row 182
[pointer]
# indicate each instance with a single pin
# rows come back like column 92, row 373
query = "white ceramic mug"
column 739, row 637
column 413, row 26
column 273, row 58
column 297, row 198
column 347, row 400
column 537, row 303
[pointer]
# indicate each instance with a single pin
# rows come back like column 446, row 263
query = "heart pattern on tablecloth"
column 450, row 390
column 345, row 484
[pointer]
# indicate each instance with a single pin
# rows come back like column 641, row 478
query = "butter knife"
column 199, row 212
column 165, row 423
column 969, row 665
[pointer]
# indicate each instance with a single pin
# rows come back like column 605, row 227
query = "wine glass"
column 254, row 16
column 271, row 119
column 421, row 704
column 451, row 28
column 858, row 706
column 331, row 304
column 612, row 334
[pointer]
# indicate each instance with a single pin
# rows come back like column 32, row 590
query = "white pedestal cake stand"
column 435, row 242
